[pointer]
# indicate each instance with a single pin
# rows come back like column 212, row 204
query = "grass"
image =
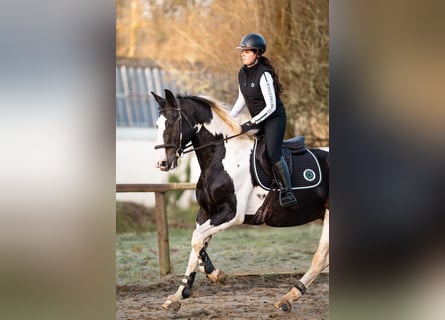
column 239, row 250
column 133, row 217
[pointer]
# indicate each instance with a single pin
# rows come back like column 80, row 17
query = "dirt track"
column 243, row 297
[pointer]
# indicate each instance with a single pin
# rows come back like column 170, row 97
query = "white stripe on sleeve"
column 268, row 91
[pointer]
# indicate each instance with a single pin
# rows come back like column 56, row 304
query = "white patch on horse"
column 256, row 199
column 198, row 127
column 237, row 164
column 160, row 153
column 217, row 126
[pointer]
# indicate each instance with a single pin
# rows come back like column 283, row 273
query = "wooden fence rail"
column 161, row 215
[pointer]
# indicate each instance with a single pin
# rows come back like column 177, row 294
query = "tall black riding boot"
column 281, row 173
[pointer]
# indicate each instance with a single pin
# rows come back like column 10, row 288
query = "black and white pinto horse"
column 225, row 191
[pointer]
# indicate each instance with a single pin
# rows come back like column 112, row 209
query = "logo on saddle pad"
column 304, row 168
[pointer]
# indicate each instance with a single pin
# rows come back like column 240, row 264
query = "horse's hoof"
column 284, row 306
column 217, row 276
column 171, row 305
column 222, row 277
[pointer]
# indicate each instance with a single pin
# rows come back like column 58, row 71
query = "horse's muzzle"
column 162, row 165
column 165, row 166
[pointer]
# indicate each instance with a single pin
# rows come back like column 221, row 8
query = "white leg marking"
column 173, row 301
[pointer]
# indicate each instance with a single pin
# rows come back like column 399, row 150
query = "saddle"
column 304, row 168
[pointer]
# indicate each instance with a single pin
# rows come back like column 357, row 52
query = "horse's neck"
column 231, row 156
column 208, row 148
column 212, row 151
column 211, row 133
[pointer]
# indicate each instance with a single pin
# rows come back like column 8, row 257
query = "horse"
column 226, row 190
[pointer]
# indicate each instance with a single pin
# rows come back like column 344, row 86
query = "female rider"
column 260, row 89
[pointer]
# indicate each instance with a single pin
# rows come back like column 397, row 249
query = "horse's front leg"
column 198, row 259
column 199, row 256
column 202, row 235
column 319, row 262
column 184, row 290
column 200, row 242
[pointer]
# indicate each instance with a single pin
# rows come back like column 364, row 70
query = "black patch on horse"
column 304, row 168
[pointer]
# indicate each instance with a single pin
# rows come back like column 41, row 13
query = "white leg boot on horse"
column 319, row 262
column 281, row 174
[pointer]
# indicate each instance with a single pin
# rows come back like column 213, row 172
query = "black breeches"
column 274, row 129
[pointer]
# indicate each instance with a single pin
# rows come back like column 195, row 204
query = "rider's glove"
column 246, row 126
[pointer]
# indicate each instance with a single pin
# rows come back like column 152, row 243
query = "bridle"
column 178, row 147
column 188, row 148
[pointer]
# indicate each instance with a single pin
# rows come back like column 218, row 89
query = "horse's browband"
column 167, row 109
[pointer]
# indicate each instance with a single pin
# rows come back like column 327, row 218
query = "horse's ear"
column 171, row 100
column 157, row 98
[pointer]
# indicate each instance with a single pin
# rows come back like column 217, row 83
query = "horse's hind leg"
column 184, row 290
column 319, row 262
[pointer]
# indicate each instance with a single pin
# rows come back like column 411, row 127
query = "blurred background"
column 194, row 43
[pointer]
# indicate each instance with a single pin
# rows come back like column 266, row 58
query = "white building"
column 136, row 114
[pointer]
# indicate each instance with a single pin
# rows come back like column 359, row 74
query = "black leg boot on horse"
column 282, row 177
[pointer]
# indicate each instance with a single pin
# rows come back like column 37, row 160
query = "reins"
column 210, row 144
column 179, row 150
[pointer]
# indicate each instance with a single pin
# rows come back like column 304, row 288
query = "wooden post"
column 161, row 215
column 162, row 226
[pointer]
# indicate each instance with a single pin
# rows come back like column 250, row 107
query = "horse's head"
column 169, row 138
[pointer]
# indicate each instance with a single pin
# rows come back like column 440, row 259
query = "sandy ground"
column 243, row 297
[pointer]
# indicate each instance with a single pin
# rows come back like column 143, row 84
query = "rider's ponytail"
column 276, row 81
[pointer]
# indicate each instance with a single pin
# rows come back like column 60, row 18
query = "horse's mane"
column 219, row 109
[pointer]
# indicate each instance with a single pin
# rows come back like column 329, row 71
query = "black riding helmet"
column 253, row 41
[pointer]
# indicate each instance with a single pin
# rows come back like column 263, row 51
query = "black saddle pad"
column 304, row 168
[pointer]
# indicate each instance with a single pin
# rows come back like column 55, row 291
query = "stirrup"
column 290, row 201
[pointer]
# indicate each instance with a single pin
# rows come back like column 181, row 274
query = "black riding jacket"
column 249, row 84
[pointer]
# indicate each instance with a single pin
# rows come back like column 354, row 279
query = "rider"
column 260, row 89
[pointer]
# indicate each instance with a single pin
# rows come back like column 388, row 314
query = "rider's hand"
column 246, row 126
